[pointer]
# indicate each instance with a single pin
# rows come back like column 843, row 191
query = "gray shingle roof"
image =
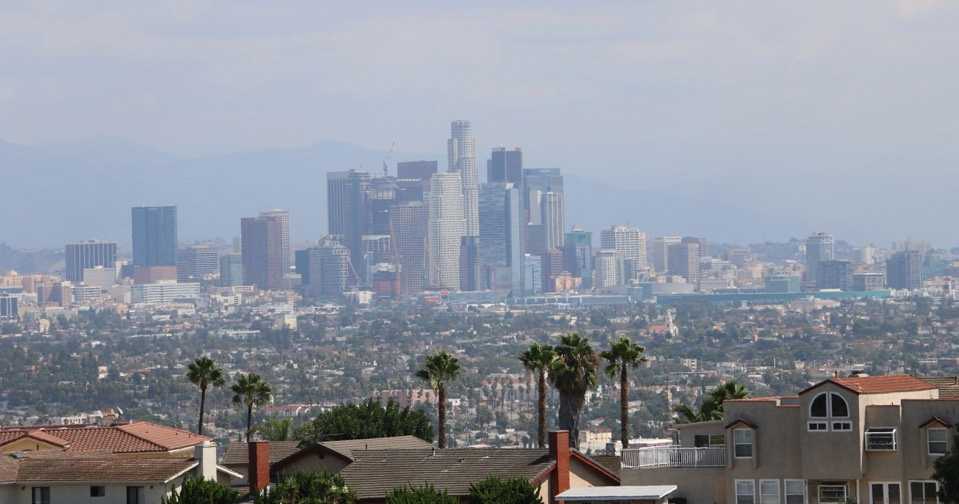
column 375, row 472
column 238, row 453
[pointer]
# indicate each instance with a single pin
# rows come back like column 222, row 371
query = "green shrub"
column 200, row 491
column 419, row 495
column 308, row 488
column 494, row 490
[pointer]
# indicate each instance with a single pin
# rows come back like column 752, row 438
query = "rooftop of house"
column 133, row 437
column 374, row 473
column 238, row 453
column 888, row 384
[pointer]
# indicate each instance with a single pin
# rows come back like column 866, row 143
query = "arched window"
column 829, row 411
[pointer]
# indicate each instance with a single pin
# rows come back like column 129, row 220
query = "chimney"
column 205, row 454
column 258, row 465
column 559, row 451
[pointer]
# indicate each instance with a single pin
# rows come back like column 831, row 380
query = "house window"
column 795, row 491
column 832, row 493
column 768, row 491
column 923, row 492
column 885, row 493
column 829, row 411
column 745, row 492
column 938, row 441
column 98, row 491
column 701, row 440
column 881, row 439
column 709, row 440
column 743, row 439
column 135, row 495
column 41, row 495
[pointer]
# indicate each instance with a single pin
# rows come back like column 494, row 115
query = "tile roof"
column 948, row 385
column 238, row 453
column 96, row 469
column 124, row 438
column 376, row 472
column 879, row 384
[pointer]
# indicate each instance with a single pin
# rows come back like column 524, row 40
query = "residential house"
column 132, row 437
column 861, row 438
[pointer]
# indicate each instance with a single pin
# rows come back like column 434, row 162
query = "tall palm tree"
column 573, row 373
column 537, row 359
column 621, row 356
column 250, row 390
column 438, row 370
column 204, row 373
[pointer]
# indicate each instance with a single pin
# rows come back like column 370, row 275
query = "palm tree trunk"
column 624, row 406
column 199, row 429
column 249, row 421
column 569, row 407
column 541, row 410
column 441, row 413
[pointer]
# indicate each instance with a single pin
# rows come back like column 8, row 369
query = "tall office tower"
column 684, row 260
column 552, row 269
column 660, row 252
column 231, row 270
column 819, row 248
column 470, row 264
column 500, row 244
column 8, row 307
column 380, row 197
column 904, row 270
column 628, row 241
column 578, row 254
column 535, row 239
column 283, row 217
column 262, row 248
column 154, row 236
column 834, row 275
column 377, row 249
column 447, row 226
column 505, row 166
column 462, row 159
column 408, row 228
column 532, row 274
column 88, row 254
column 416, row 170
column 325, row 269
column 346, row 210
column 607, row 269
column 553, row 212
column 196, row 262
column 536, row 182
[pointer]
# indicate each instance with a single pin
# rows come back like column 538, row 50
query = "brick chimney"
column 559, row 451
column 258, row 465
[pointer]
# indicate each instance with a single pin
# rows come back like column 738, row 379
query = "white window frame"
column 752, row 485
column 805, row 490
column 929, row 442
column 830, row 422
column 778, row 493
column 924, row 483
column 874, row 430
column 885, row 490
column 751, row 443
column 845, row 491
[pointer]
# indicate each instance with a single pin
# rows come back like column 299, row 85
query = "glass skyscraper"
column 154, row 236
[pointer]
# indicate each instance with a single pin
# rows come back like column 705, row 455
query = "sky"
column 662, row 94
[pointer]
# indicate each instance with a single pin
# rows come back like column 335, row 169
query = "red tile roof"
column 879, row 384
column 125, row 438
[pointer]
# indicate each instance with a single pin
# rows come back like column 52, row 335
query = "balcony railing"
column 673, row 456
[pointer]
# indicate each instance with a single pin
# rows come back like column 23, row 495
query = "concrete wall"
column 80, row 494
column 697, row 486
column 27, row 444
column 314, row 462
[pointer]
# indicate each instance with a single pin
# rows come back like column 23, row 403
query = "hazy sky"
column 692, row 90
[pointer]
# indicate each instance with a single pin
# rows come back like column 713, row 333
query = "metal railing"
column 673, row 456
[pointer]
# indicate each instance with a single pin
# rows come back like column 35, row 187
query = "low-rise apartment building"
column 860, row 438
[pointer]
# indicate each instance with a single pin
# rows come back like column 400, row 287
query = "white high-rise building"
column 447, row 226
column 626, row 240
column 462, row 159
column 553, row 212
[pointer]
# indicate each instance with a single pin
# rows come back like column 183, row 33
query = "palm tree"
column 712, row 407
column 438, row 370
column 621, row 356
column 250, row 390
column 537, row 359
column 204, row 373
column 573, row 373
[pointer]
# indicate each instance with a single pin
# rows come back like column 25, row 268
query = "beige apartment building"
column 864, row 439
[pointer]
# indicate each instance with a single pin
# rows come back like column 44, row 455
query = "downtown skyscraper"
column 154, row 236
column 462, row 159
column 447, row 226
column 89, row 254
column 502, row 223
column 819, row 248
column 261, row 241
column 346, row 200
